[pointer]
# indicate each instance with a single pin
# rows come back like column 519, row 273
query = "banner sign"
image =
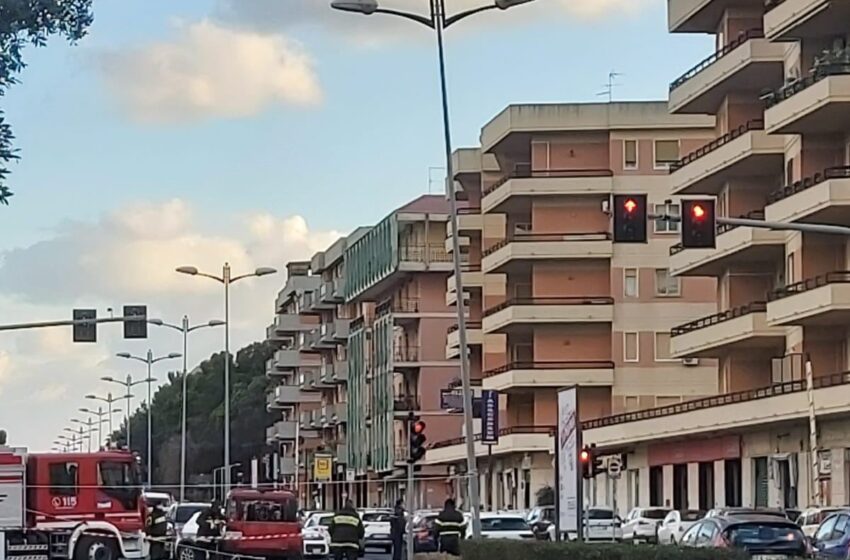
column 489, row 417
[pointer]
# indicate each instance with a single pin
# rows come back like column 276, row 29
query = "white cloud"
column 211, row 71
column 128, row 256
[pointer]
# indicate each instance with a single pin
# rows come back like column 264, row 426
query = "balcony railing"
column 717, row 318
column 457, row 383
column 524, row 171
column 838, row 172
column 405, row 305
column 558, row 300
column 513, row 430
column 742, row 38
column 719, row 400
column 405, row 404
column 830, row 63
column 722, row 228
column 537, row 237
column 720, row 141
column 467, row 210
column 469, row 325
column 591, row 364
column 406, row 354
column 838, row 277
column 424, row 253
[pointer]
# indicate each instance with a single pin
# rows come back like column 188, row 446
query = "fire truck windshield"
column 120, row 481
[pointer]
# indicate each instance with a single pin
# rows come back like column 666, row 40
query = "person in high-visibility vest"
column 157, row 529
column 451, row 528
column 346, row 531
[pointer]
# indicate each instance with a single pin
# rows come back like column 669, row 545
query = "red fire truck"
column 70, row 506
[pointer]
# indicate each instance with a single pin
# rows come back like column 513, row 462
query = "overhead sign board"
column 323, row 467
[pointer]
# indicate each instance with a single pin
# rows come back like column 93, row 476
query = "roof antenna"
column 431, row 176
column 609, row 87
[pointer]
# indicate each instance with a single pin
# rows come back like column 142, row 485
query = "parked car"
column 759, row 535
column 831, row 540
column 316, row 536
column 376, row 525
column 732, row 511
column 541, row 518
column 422, row 530
column 320, row 521
column 498, row 525
column 641, row 525
column 179, row 514
column 811, row 518
column 601, row 524
column 676, row 523
column 162, row 499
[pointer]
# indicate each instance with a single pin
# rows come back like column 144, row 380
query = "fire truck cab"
column 70, row 506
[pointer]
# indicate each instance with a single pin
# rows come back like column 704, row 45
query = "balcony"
column 306, row 300
column 339, row 289
column 292, row 359
column 529, row 375
column 772, row 405
column 816, row 104
column 548, row 310
column 341, row 329
column 423, row 258
column 291, row 394
column 701, row 16
column 474, row 337
column 740, row 328
column 339, row 413
column 513, row 439
column 405, row 404
column 340, row 374
column 822, row 198
column 799, row 19
column 524, row 181
column 519, row 248
column 749, row 61
column 283, row 430
column 734, row 246
column 287, row 466
column 326, row 299
column 469, row 220
column 406, row 356
column 823, row 300
column 327, row 340
column 746, row 151
column 472, row 278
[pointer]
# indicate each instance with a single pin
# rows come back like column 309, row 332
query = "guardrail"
column 532, row 237
column 717, row 318
column 720, row 141
column 742, row 38
column 837, row 277
column 574, row 364
column 524, row 171
column 837, row 172
column 557, row 300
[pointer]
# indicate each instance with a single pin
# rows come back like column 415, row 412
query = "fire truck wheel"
column 95, row 548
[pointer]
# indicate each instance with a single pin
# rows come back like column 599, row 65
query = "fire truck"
column 70, row 506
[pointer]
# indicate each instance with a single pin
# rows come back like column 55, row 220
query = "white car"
column 511, row 526
column 162, row 499
column 601, row 524
column 376, row 528
column 187, row 533
column 642, row 524
column 179, row 514
column 811, row 518
column 317, row 539
column 675, row 525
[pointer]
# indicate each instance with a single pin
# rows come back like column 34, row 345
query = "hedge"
column 492, row 549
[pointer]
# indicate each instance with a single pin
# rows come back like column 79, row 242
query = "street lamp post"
column 185, row 329
column 85, row 429
column 74, row 440
column 150, row 361
column 100, row 413
column 108, row 399
column 226, row 279
column 128, row 384
column 216, row 470
column 439, row 21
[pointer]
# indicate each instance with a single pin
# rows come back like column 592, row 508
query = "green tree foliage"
column 24, row 22
column 205, row 415
column 545, row 496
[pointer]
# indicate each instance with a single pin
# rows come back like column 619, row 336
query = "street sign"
column 615, row 467
column 323, row 467
column 135, row 328
column 489, row 417
column 567, row 449
column 85, row 332
column 451, row 400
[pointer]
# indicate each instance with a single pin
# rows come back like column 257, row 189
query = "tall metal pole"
column 438, row 15
column 150, row 421
column 226, row 277
column 99, row 426
column 109, row 405
column 89, row 430
column 813, row 432
column 409, row 495
column 183, row 412
column 127, row 416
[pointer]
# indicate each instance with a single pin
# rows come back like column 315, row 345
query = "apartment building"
column 554, row 303
column 779, row 86
column 395, row 285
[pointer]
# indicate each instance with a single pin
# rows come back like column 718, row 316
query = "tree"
column 545, row 496
column 25, row 22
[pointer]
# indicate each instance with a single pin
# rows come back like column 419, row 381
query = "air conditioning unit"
column 690, row 362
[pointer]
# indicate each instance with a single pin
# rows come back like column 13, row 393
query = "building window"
column 666, row 152
column 631, row 351
column 667, row 285
column 630, row 154
column 667, row 401
column 789, row 271
column 630, row 283
column 662, row 347
column 632, row 403
column 665, row 226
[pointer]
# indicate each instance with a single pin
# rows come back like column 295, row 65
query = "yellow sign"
column 322, row 467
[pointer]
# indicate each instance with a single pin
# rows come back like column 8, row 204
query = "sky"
column 254, row 132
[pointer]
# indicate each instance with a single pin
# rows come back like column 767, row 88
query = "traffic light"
column 136, row 328
column 417, row 439
column 585, row 458
column 596, row 461
column 85, row 332
column 630, row 218
column 699, row 226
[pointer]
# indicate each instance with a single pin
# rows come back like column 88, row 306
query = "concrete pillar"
column 747, row 492
column 720, row 483
column 643, row 483
column 838, row 482
column 805, row 489
column 667, row 471
column 622, row 486
column 693, row 485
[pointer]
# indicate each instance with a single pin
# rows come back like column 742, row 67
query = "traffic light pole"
column 778, row 226
column 408, row 498
column 68, row 323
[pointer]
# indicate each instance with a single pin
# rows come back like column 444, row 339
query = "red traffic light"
column 630, row 205
column 584, row 456
column 698, row 212
column 418, row 427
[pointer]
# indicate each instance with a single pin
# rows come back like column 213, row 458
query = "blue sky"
column 263, row 134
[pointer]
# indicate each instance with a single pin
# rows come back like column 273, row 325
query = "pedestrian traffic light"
column 629, row 218
column 417, row 439
column 135, row 328
column 85, row 332
column 585, row 458
column 699, row 226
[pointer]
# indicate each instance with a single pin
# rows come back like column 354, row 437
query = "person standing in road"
column 211, row 529
column 451, row 528
column 157, row 529
column 347, row 532
column 397, row 524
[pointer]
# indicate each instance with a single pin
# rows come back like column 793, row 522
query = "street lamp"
column 128, row 384
column 85, row 429
column 438, row 21
column 150, row 361
column 108, row 399
column 185, row 329
column 226, row 279
column 100, row 413
column 227, row 469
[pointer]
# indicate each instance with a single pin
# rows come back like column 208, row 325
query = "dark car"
column 831, row 540
column 757, row 534
column 424, row 535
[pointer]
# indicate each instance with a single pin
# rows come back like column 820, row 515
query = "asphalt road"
column 376, row 554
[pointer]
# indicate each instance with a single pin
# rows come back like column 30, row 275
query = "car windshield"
column 760, row 534
column 817, row 517
column 376, row 517
column 504, row 524
column 655, row 513
column 185, row 513
column 600, row 514
column 692, row 515
column 323, row 520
